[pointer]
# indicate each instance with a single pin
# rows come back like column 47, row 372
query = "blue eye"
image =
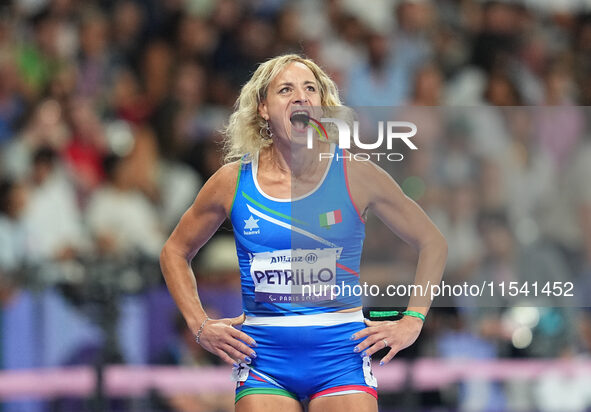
column 284, row 90
column 311, row 89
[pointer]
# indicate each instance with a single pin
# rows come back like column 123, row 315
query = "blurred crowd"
column 110, row 114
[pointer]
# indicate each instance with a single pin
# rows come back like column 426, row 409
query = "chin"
column 299, row 137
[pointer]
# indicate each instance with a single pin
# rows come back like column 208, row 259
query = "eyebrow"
column 291, row 84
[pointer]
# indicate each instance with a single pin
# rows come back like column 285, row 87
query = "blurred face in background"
column 128, row 21
column 196, row 37
column 227, row 14
column 63, row 84
column 378, row 48
column 414, row 16
column 498, row 241
column 20, row 198
column 190, row 85
column 256, row 39
column 85, row 122
column 500, row 18
column 16, row 201
column 46, row 35
column 157, row 65
column 47, row 126
column 94, row 36
column 558, row 85
column 428, row 86
column 501, row 91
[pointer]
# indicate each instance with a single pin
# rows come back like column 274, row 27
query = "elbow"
column 442, row 243
column 438, row 243
column 171, row 253
column 444, row 247
column 164, row 253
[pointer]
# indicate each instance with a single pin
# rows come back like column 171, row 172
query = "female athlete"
column 298, row 220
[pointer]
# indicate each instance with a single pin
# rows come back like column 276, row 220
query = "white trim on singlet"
column 316, row 319
column 255, row 169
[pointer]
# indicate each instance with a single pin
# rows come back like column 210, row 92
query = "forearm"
column 182, row 286
column 430, row 266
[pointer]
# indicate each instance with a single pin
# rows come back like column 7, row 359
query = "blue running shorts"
column 304, row 362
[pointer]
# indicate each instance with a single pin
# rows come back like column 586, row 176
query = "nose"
column 300, row 97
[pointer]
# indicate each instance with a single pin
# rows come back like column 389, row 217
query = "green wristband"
column 388, row 313
column 414, row 314
column 383, row 313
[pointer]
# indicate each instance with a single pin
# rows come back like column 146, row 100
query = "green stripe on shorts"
column 264, row 391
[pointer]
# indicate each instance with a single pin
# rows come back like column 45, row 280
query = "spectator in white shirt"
column 52, row 217
column 121, row 218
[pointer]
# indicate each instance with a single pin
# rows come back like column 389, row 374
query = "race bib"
column 370, row 379
column 300, row 275
column 240, row 372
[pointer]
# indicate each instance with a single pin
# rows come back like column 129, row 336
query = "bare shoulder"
column 368, row 182
column 363, row 169
column 227, row 174
column 220, row 187
column 206, row 214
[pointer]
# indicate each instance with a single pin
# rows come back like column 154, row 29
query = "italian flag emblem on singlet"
column 330, row 218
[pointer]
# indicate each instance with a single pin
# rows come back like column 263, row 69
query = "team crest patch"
column 251, row 226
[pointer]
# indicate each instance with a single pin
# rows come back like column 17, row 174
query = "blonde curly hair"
column 242, row 135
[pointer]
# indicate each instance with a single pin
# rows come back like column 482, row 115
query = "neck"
column 294, row 159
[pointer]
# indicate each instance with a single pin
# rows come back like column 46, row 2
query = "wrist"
column 194, row 322
column 413, row 320
column 414, row 314
column 200, row 330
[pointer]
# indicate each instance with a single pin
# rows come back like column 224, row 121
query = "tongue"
column 300, row 120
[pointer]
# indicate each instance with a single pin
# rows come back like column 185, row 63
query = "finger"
column 363, row 333
column 243, row 337
column 376, row 347
column 235, row 354
column 224, row 356
column 238, row 320
column 242, row 348
column 388, row 356
column 368, row 343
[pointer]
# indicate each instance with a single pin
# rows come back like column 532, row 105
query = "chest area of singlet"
column 321, row 219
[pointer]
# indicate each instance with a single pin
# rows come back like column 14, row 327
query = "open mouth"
column 300, row 119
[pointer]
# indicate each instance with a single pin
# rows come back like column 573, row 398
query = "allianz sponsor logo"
column 309, row 258
column 287, row 259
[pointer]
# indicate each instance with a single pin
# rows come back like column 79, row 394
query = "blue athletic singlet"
column 292, row 252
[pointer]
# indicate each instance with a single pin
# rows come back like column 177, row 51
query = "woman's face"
column 291, row 99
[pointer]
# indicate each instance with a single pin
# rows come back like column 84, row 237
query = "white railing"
column 424, row 374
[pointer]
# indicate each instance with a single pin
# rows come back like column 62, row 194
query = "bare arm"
column 407, row 220
column 196, row 227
